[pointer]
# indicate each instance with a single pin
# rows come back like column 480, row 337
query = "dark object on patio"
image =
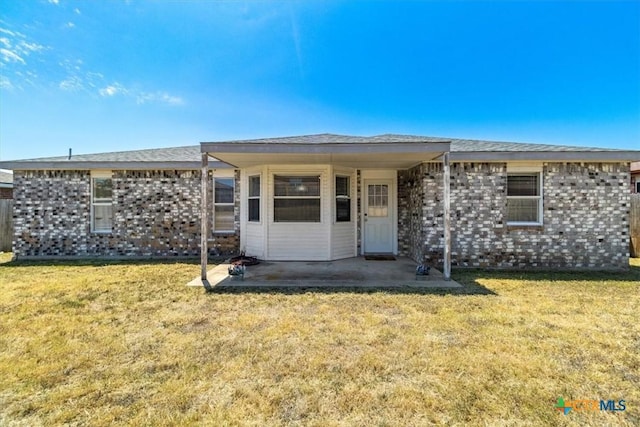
column 422, row 270
column 379, row 257
column 237, row 270
column 242, row 259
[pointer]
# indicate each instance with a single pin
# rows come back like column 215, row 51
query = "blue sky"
column 118, row 75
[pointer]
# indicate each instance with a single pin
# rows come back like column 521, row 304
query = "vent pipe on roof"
column 69, row 154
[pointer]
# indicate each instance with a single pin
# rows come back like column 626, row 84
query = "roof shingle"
column 191, row 155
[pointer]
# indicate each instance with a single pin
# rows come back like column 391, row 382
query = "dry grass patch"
column 130, row 344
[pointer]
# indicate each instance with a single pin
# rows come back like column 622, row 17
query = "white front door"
column 378, row 215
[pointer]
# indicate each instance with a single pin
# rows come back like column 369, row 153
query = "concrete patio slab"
column 350, row 272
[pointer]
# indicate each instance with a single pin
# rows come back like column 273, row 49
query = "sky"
column 114, row 75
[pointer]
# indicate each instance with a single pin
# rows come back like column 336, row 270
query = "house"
column 6, row 185
column 324, row 197
column 635, row 177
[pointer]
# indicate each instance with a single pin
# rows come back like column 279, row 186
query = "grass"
column 128, row 343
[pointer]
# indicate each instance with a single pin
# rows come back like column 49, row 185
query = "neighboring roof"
column 6, row 179
column 189, row 157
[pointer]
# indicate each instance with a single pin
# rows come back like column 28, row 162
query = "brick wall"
column 586, row 217
column 156, row 213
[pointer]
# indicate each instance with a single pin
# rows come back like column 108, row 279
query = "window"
column 254, row 198
column 637, row 185
column 524, row 198
column 102, row 204
column 378, row 200
column 223, row 204
column 343, row 199
column 296, row 199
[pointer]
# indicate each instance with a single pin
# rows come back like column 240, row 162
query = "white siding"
column 254, row 239
column 343, row 240
column 300, row 241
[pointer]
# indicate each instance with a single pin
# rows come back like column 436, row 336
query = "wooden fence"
column 634, row 225
column 6, row 224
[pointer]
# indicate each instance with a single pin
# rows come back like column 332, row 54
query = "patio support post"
column 204, row 218
column 446, row 182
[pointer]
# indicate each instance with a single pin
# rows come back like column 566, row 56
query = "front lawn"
column 128, row 343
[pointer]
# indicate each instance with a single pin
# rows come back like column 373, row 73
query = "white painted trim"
column 379, row 174
column 222, row 173
column 524, row 167
column 101, row 173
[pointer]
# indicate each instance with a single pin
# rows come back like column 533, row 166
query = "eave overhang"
column 358, row 155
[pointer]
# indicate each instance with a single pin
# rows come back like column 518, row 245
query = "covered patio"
column 351, row 273
column 329, row 199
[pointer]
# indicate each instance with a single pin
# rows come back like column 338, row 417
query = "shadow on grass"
column 468, row 278
column 98, row 262
column 471, row 276
column 467, row 289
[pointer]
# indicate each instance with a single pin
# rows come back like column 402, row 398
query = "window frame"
column 342, row 197
column 297, row 175
column 104, row 202
column 258, row 198
column 539, row 197
column 227, row 204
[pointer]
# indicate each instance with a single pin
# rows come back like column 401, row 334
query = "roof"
column 330, row 138
column 457, row 145
column 189, row 157
column 189, row 153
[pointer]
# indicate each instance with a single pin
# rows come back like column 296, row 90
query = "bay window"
column 254, row 198
column 343, row 199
